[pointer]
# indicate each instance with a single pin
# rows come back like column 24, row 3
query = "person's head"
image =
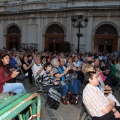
column 43, row 59
column 17, row 55
column 75, row 59
column 4, row 62
column 10, row 55
column 96, row 61
column 37, row 60
column 47, row 67
column 69, row 60
column 102, row 63
column 92, row 78
column 25, row 58
column 89, row 59
column 48, row 59
column 107, row 70
column 87, row 67
column 5, row 59
column 62, row 62
column 97, row 69
column 30, row 57
column 55, row 62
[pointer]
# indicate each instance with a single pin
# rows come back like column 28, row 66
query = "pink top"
column 102, row 76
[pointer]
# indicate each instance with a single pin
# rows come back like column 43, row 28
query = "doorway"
column 106, row 38
column 13, row 38
column 54, row 38
column 109, row 48
column 101, row 48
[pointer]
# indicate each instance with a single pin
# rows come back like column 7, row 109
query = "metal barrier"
column 21, row 107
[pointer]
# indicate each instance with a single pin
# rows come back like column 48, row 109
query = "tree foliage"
column 65, row 47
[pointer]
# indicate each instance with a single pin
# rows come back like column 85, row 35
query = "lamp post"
column 77, row 23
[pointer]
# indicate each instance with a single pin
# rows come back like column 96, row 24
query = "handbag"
column 53, row 98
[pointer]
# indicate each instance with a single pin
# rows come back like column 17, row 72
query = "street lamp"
column 77, row 23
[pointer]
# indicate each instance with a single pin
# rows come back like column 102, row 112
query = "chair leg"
column 81, row 113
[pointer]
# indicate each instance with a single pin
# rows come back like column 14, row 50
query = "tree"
column 65, row 47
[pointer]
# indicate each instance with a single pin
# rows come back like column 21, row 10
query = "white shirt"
column 94, row 100
column 36, row 68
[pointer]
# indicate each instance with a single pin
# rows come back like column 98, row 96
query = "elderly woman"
column 60, row 74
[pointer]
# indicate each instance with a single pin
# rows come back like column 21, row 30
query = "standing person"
column 6, row 75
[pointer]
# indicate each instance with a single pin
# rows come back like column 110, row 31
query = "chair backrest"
column 85, row 110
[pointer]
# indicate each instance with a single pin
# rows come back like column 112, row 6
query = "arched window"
column 106, row 29
column 13, row 30
column 55, row 29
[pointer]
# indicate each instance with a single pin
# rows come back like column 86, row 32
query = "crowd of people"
column 92, row 71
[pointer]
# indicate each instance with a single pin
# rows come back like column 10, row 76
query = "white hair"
column 53, row 61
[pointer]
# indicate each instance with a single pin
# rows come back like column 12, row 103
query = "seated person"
column 47, row 76
column 17, row 59
column 43, row 60
column 74, row 81
column 37, row 68
column 26, row 68
column 60, row 74
column 99, row 106
column 107, row 90
column 13, row 62
column 108, row 77
column 6, row 75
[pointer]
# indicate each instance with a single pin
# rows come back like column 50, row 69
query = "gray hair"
column 53, row 61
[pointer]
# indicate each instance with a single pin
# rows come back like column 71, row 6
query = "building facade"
column 46, row 24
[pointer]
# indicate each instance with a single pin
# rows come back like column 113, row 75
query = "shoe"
column 63, row 100
column 74, row 99
column 68, row 96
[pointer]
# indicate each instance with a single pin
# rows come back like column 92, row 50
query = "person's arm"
column 25, row 66
column 109, row 107
column 4, row 79
column 58, row 75
column 39, row 71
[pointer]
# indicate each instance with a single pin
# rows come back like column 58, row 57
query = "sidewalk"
column 64, row 112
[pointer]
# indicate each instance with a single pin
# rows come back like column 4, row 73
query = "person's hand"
column 106, row 87
column 56, row 83
column 68, row 68
column 12, row 69
column 117, row 114
column 51, row 72
column 14, row 74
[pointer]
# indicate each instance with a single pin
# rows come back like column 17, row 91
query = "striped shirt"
column 47, row 79
column 94, row 100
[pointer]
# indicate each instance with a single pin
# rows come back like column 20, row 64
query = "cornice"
column 24, row 6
